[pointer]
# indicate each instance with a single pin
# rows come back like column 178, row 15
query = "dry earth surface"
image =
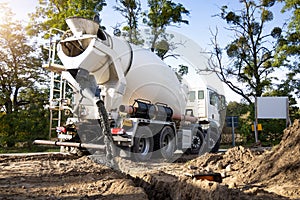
column 247, row 174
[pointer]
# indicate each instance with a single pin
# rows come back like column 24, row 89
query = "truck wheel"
column 167, row 142
column 143, row 144
column 197, row 142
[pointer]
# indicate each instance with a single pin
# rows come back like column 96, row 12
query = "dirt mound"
column 280, row 167
column 275, row 171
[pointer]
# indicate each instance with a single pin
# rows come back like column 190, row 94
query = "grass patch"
column 31, row 149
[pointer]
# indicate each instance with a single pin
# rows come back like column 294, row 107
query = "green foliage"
column 290, row 43
column 29, row 123
column 272, row 128
column 276, row 32
column 237, row 109
column 231, row 17
column 245, row 114
column 288, row 50
column 52, row 13
column 163, row 13
column 131, row 10
column 22, row 148
column 22, row 103
column 19, row 67
column 183, row 70
column 293, row 5
column 162, row 47
column 272, row 131
column 268, row 3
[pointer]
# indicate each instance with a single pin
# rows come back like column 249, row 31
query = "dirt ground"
column 257, row 173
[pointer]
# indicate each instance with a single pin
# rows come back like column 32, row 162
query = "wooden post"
column 255, row 121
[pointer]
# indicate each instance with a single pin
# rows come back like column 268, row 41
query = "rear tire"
column 143, row 144
column 167, row 142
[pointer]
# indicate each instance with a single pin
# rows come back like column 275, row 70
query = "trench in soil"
column 166, row 181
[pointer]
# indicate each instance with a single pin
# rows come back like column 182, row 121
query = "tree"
column 288, row 50
column 20, row 76
column 19, row 64
column 52, row 13
column 251, row 52
column 130, row 10
column 161, row 14
column 290, row 45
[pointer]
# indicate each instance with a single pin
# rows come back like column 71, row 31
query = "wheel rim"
column 167, row 143
column 144, row 146
column 166, row 140
column 196, row 142
column 212, row 143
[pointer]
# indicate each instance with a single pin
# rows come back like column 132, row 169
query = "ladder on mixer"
column 57, row 95
column 57, row 88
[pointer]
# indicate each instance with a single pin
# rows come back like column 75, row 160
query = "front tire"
column 197, row 142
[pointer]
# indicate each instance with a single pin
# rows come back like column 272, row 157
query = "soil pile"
column 275, row 171
column 279, row 169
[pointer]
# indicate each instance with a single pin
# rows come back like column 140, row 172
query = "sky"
column 198, row 30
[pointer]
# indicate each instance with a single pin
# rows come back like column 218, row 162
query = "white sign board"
column 272, row 107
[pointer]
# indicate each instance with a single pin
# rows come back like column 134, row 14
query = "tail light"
column 117, row 131
column 61, row 129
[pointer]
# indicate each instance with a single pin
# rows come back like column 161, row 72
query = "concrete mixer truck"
column 124, row 99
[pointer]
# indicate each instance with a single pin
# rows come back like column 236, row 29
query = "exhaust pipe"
column 70, row 144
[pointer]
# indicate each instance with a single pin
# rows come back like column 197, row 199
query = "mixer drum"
column 147, row 76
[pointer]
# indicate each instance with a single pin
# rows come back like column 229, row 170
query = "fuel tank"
column 125, row 72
